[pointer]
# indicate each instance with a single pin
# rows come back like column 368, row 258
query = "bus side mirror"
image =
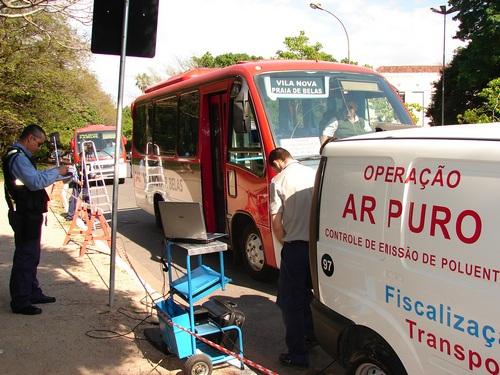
column 241, row 123
column 241, row 107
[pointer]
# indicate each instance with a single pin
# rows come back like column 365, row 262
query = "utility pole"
column 444, row 11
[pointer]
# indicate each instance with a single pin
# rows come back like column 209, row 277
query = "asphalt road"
column 263, row 331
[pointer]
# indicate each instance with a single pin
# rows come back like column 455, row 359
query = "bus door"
column 247, row 191
column 218, row 116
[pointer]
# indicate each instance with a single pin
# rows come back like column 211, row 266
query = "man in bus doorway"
column 27, row 201
column 290, row 200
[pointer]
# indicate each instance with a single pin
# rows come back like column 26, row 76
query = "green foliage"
column 143, row 80
column 127, row 123
column 412, row 108
column 382, row 109
column 489, row 111
column 478, row 18
column 220, row 61
column 473, row 66
column 44, row 81
column 298, row 48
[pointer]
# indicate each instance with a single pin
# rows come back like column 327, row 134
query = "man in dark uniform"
column 27, row 201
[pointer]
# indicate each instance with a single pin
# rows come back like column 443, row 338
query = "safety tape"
column 239, row 357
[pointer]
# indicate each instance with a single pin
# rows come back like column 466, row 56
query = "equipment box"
column 177, row 341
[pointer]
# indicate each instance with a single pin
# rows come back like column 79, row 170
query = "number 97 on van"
column 327, row 265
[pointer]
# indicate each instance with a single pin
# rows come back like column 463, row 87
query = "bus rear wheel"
column 253, row 254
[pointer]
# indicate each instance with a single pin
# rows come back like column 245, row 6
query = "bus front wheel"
column 253, row 254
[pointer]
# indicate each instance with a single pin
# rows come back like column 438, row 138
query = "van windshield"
column 104, row 142
column 304, row 108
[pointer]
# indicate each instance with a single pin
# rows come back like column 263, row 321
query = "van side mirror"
column 241, row 107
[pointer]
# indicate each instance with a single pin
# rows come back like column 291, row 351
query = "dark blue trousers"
column 294, row 297
column 23, row 281
column 73, row 199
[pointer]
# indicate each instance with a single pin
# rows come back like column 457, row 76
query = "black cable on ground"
column 113, row 334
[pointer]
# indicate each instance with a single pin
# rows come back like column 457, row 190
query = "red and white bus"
column 205, row 135
column 103, row 137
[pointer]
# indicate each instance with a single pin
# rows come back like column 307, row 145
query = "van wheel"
column 253, row 254
column 368, row 362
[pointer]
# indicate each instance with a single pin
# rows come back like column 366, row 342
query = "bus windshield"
column 304, row 108
column 104, row 142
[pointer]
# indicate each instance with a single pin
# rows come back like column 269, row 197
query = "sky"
column 381, row 32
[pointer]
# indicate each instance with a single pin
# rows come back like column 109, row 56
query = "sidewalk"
column 57, row 341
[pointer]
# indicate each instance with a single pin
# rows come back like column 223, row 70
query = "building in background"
column 414, row 83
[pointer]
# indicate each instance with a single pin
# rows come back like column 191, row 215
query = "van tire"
column 369, row 362
column 252, row 253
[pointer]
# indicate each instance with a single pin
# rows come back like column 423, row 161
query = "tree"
column 473, row 66
column 489, row 111
column 30, row 11
column 143, row 81
column 412, row 108
column 44, row 82
column 127, row 123
column 220, row 61
column 298, row 48
column 207, row 60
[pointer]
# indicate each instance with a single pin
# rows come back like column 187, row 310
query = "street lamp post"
column 442, row 10
column 319, row 7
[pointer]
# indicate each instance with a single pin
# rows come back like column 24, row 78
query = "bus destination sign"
column 296, row 87
column 88, row 136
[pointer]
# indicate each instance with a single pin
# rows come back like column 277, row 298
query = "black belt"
column 297, row 242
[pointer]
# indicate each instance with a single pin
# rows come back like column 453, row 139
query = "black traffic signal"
column 108, row 23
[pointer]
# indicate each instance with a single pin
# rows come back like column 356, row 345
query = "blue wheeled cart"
column 192, row 286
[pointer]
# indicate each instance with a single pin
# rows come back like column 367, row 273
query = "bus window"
column 165, row 125
column 299, row 106
column 245, row 149
column 380, row 110
column 141, row 132
column 188, row 124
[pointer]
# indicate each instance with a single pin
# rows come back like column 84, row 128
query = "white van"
column 405, row 251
